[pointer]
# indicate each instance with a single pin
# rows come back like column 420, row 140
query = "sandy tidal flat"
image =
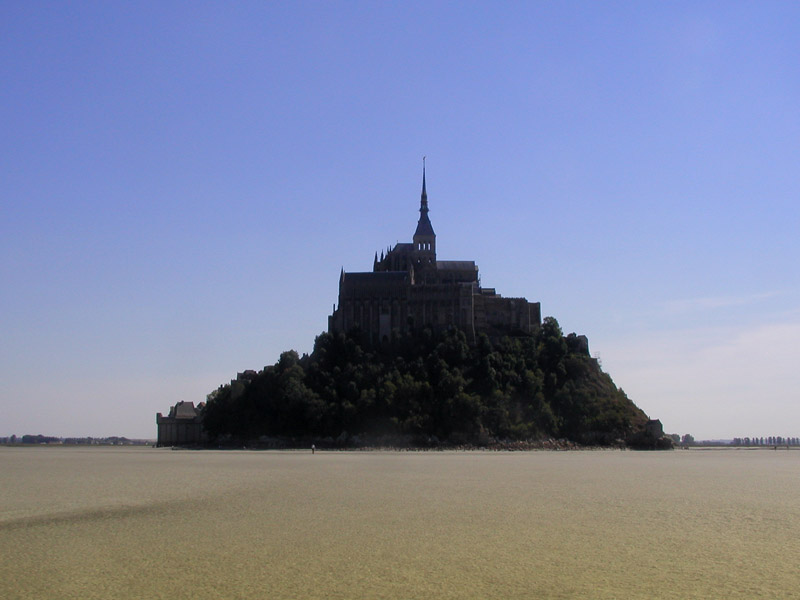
column 154, row 523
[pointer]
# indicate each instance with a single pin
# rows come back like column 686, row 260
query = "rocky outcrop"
column 651, row 438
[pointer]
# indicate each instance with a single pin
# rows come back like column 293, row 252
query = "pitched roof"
column 456, row 265
column 185, row 410
column 375, row 277
column 424, row 226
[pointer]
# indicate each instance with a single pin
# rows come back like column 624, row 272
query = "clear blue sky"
column 181, row 183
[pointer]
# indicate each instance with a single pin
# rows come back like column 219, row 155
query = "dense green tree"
column 430, row 385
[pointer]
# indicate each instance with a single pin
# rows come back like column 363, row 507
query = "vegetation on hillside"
column 429, row 388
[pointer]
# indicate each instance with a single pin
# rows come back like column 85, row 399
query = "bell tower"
column 424, row 237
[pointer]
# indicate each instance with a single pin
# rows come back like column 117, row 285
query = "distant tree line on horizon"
column 776, row 440
column 429, row 387
column 82, row 441
column 773, row 440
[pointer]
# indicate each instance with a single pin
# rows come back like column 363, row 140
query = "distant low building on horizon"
column 409, row 288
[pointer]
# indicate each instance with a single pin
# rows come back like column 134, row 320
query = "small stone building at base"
column 182, row 426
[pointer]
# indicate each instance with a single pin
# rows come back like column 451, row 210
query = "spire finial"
column 424, row 203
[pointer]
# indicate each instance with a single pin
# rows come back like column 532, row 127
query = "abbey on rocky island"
column 408, row 288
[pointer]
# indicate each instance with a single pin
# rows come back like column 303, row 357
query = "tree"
column 430, row 384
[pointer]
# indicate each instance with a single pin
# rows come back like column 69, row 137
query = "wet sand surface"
column 108, row 522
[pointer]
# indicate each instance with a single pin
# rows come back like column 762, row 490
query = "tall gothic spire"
column 424, row 237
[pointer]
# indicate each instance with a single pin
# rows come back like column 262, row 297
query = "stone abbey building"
column 408, row 288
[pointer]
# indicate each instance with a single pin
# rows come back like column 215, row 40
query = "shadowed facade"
column 183, row 425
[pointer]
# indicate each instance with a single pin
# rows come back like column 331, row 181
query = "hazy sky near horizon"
column 182, row 182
